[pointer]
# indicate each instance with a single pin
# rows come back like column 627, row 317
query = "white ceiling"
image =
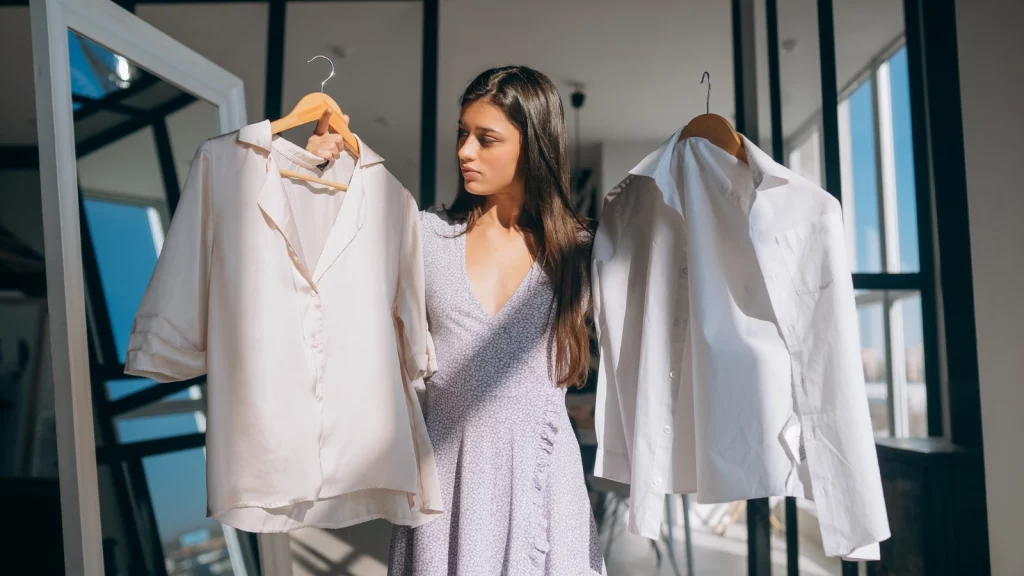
column 640, row 62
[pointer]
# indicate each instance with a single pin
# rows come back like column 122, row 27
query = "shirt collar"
column 766, row 172
column 258, row 135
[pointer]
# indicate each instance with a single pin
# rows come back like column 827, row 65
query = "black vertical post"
column 926, row 237
column 830, row 127
column 274, row 92
column 950, row 184
column 940, row 171
column 165, row 155
column 428, row 100
column 778, row 154
column 829, row 99
column 759, row 561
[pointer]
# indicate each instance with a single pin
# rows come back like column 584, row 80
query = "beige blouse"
column 304, row 307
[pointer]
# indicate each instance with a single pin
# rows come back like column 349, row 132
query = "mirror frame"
column 126, row 34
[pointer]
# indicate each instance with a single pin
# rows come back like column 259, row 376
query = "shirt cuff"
column 864, row 553
column 158, row 352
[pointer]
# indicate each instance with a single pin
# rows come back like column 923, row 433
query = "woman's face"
column 489, row 150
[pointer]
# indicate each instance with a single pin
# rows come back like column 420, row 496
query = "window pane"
column 193, row 543
column 903, row 152
column 122, row 235
column 860, row 178
column 871, row 312
column 153, row 427
column 913, row 342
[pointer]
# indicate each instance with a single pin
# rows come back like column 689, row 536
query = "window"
column 880, row 211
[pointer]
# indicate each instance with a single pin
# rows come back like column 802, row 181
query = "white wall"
column 992, row 81
column 618, row 158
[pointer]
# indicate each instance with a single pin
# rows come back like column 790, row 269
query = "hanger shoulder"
column 718, row 131
column 309, row 109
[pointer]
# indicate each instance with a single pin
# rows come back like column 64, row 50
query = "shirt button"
column 667, row 429
column 657, row 482
column 672, row 374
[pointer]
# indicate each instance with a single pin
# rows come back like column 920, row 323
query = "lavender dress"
column 508, row 462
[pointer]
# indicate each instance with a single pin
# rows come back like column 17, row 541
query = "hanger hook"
column 708, row 104
column 332, row 69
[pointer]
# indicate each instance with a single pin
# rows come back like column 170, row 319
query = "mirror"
column 135, row 135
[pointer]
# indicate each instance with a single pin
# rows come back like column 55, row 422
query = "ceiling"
column 639, row 62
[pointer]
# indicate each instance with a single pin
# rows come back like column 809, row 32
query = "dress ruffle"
column 545, row 450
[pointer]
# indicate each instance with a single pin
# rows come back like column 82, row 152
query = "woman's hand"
column 323, row 142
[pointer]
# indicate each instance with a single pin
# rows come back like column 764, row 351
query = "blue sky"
column 866, row 207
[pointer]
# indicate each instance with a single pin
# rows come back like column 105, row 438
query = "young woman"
column 506, row 271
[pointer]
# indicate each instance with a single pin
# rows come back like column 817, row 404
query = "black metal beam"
column 91, row 106
column 133, row 450
column 165, row 154
column 149, row 395
column 829, row 99
column 274, row 90
column 745, row 68
column 131, row 126
column 949, row 178
column 778, row 154
column 927, row 238
column 759, row 561
column 905, row 281
column 428, row 104
column 111, row 106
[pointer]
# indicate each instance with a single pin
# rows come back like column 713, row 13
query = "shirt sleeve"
column 410, row 302
column 168, row 337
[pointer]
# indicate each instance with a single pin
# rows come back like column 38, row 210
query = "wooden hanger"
column 715, row 129
column 309, row 109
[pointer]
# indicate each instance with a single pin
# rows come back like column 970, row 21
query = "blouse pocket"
column 808, row 251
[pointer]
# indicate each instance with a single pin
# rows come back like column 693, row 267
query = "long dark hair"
column 560, row 238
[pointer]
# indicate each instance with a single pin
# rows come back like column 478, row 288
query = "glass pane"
column 154, row 427
column 913, row 341
column 123, row 238
column 903, row 152
column 860, row 178
column 193, row 544
column 871, row 312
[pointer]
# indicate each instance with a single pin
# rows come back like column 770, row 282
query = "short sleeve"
column 168, row 338
column 410, row 301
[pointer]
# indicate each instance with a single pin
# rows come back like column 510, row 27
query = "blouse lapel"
column 352, row 214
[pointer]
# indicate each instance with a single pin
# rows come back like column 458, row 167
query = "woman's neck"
column 501, row 210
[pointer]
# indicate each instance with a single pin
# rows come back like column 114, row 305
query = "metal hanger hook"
column 708, row 104
column 332, row 69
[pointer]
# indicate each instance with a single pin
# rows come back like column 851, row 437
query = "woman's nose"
column 467, row 152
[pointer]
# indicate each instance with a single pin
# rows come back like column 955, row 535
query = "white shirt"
column 730, row 355
column 304, row 306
